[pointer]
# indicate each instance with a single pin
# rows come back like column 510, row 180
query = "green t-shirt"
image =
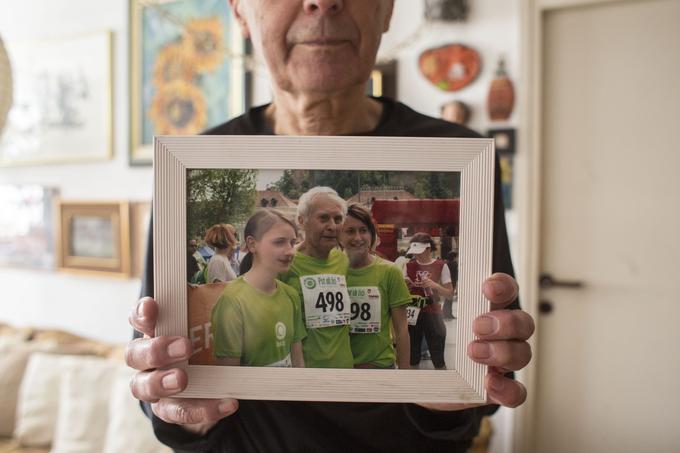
column 325, row 307
column 375, row 290
column 257, row 327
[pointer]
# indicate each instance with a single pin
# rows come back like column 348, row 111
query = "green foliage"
column 294, row 183
column 219, row 196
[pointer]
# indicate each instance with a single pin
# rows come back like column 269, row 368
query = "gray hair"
column 307, row 198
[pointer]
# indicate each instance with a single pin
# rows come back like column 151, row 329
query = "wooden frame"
column 63, row 101
column 473, row 158
column 98, row 220
column 200, row 80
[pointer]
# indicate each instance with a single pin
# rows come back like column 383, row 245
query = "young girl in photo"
column 257, row 320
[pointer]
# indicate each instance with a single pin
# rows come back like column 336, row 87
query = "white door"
column 608, row 355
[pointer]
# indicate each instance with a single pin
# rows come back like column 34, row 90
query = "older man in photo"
column 320, row 54
column 320, row 214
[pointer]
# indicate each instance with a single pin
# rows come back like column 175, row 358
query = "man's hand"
column 157, row 386
column 501, row 344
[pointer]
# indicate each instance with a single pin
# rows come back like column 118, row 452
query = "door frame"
column 532, row 14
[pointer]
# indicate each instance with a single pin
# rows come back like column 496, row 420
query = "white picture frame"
column 63, row 101
column 473, row 158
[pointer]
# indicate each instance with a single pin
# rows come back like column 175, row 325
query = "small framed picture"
column 27, row 226
column 215, row 194
column 504, row 140
column 383, row 80
column 94, row 237
column 505, row 145
column 140, row 215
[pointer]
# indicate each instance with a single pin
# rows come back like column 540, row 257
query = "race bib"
column 286, row 362
column 326, row 300
column 365, row 309
column 412, row 315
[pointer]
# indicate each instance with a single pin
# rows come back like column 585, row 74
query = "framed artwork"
column 451, row 67
column 383, row 80
column 187, row 70
column 94, row 237
column 27, row 226
column 447, row 192
column 505, row 145
column 140, row 216
column 62, row 110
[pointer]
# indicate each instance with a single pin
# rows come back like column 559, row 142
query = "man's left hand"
column 501, row 344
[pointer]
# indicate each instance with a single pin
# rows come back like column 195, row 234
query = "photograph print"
column 322, row 268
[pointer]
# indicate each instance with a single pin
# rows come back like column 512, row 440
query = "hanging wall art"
column 187, row 70
column 451, row 67
column 501, row 98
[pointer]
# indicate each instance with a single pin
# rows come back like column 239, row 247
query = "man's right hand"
column 157, row 386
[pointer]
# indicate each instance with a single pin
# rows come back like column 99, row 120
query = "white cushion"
column 82, row 417
column 129, row 430
column 38, row 400
column 13, row 362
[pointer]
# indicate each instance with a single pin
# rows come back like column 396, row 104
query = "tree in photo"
column 219, row 196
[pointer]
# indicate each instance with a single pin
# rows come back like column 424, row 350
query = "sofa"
column 63, row 393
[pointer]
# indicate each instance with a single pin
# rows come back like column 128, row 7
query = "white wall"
column 96, row 307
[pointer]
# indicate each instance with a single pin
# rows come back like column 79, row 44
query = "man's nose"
column 322, row 6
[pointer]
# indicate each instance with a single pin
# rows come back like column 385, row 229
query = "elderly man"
column 319, row 270
column 320, row 54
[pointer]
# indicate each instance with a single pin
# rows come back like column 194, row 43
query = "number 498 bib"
column 326, row 300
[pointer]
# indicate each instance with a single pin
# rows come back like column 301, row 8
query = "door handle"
column 547, row 281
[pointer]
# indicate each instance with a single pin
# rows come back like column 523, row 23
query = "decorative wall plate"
column 451, row 67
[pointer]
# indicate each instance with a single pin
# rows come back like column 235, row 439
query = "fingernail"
column 497, row 383
column 481, row 350
column 140, row 309
column 485, row 325
column 496, row 287
column 226, row 407
column 169, row 382
column 177, row 349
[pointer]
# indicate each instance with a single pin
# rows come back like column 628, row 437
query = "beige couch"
column 65, row 394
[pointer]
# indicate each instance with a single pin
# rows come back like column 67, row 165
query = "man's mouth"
column 324, row 42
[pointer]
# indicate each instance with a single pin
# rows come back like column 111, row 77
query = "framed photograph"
column 27, row 226
column 94, row 237
column 504, row 140
column 62, row 110
column 383, row 80
column 446, row 192
column 187, row 70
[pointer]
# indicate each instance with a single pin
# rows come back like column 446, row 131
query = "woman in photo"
column 222, row 239
column 257, row 320
column 428, row 278
column 378, row 294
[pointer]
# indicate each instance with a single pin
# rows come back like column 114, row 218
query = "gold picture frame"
column 94, row 237
column 174, row 157
column 166, row 75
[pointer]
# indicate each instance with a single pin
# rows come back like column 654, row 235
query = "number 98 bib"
column 366, row 310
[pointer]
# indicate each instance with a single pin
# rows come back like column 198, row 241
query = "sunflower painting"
column 187, row 69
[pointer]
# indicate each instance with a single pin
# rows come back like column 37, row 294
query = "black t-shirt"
column 277, row 426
